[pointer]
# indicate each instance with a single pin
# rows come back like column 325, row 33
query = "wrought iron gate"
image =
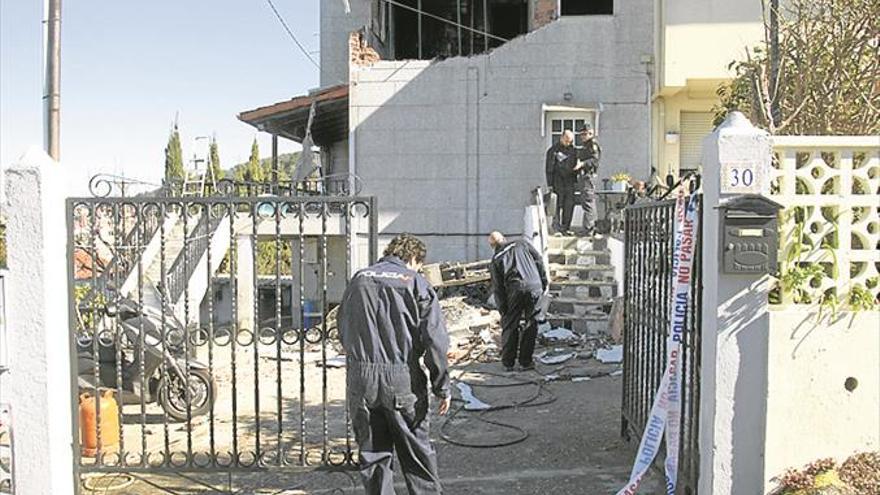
column 648, row 302
column 204, row 336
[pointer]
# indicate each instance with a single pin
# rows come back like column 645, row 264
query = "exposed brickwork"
column 361, row 54
column 544, row 12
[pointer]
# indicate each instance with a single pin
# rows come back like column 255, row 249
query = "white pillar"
column 734, row 323
column 244, row 273
column 39, row 327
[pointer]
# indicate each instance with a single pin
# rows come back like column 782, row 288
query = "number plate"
column 742, row 177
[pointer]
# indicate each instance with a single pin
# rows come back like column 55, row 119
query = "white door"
column 694, row 127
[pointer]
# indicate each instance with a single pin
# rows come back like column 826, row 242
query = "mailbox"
column 749, row 235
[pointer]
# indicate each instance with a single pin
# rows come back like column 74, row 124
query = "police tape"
column 665, row 417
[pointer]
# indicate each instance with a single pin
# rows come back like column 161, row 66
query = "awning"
column 289, row 118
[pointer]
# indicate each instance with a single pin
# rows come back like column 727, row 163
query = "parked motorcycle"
column 167, row 372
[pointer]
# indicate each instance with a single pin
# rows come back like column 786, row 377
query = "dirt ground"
column 573, row 448
column 563, row 436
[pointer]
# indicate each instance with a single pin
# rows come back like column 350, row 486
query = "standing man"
column 560, row 168
column 589, row 156
column 519, row 280
column 389, row 320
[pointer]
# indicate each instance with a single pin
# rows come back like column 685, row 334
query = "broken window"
column 587, row 7
column 427, row 29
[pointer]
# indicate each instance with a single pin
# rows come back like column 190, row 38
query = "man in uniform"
column 519, row 281
column 560, row 168
column 389, row 320
column 589, row 156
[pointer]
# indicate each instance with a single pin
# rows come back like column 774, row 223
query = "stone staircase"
column 582, row 283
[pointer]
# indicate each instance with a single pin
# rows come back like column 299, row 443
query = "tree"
column 214, row 160
column 824, row 78
column 253, row 171
column 174, row 157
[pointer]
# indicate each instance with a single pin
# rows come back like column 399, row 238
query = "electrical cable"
column 521, row 433
column 293, row 36
column 89, row 482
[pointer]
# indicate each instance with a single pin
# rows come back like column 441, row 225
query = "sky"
column 129, row 67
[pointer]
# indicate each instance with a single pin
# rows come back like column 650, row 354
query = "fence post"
column 39, row 330
column 735, row 322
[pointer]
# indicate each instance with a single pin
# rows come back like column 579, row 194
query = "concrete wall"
column 453, row 148
column 336, row 25
column 338, row 152
column 810, row 412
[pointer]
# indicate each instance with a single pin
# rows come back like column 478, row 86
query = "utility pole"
column 52, row 78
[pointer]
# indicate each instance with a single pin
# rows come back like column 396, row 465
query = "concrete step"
column 574, row 258
column 558, row 284
column 558, row 267
column 579, row 307
column 584, row 289
column 577, row 243
column 590, row 326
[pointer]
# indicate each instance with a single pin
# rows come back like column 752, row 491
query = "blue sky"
column 128, row 67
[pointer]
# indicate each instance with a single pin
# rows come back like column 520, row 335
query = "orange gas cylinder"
column 88, row 419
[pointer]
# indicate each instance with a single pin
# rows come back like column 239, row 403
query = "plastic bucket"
column 312, row 314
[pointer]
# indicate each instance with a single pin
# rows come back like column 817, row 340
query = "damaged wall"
column 453, row 148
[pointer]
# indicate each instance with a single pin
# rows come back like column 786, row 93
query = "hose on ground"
column 520, row 434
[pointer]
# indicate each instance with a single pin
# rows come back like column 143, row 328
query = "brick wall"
column 544, row 12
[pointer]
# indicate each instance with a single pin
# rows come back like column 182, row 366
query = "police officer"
column 560, row 168
column 588, row 156
column 389, row 320
column 519, row 281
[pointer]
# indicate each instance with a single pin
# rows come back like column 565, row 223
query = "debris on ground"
column 456, row 273
column 557, row 336
column 613, row 354
column 474, row 328
column 334, row 362
column 555, row 356
column 471, row 402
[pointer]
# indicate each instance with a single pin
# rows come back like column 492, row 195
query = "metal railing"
column 195, row 245
column 648, row 302
column 329, row 185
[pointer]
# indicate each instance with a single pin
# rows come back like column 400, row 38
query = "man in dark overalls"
column 560, row 168
column 389, row 320
column 589, row 155
column 519, row 281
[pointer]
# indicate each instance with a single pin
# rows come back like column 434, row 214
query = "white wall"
column 455, row 147
column 810, row 413
column 701, row 37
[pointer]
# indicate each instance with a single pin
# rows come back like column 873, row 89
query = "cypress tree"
column 174, row 157
column 214, row 160
column 253, row 170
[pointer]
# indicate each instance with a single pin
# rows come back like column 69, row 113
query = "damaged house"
column 443, row 109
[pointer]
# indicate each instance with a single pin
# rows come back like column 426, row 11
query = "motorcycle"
column 181, row 385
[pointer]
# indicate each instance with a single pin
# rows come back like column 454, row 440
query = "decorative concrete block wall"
column 830, row 187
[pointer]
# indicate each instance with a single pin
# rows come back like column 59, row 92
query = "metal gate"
column 204, row 336
column 648, row 302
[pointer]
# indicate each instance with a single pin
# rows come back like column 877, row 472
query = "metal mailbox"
column 750, row 239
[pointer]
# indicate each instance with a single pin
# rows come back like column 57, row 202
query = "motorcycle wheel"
column 172, row 394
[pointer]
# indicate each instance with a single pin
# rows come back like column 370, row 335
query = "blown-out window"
column 586, row 7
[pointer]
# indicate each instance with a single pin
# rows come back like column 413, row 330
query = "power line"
column 293, row 36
